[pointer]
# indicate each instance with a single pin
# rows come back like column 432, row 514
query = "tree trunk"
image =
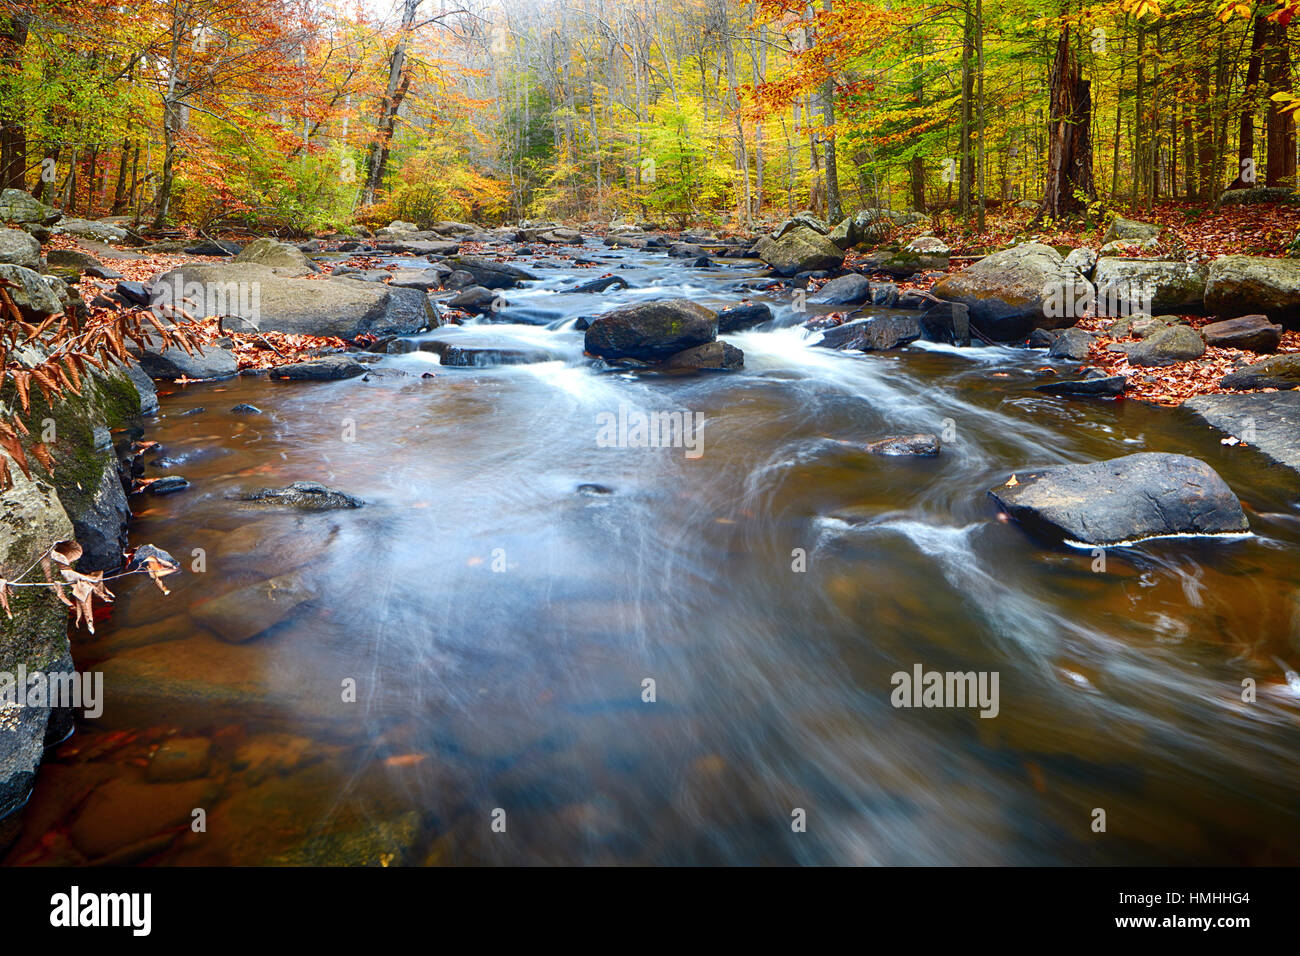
column 1246, row 133
column 1280, row 122
column 13, row 128
column 1069, row 139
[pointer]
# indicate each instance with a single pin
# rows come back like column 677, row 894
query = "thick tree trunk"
column 1280, row 122
column 1069, row 139
column 13, row 129
column 1246, row 132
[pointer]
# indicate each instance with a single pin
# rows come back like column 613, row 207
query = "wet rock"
column 481, row 357
column 947, row 322
column 651, row 330
column 741, row 317
column 874, row 334
column 1071, row 344
column 243, row 408
column 703, row 262
column 490, row 274
column 329, row 368
column 846, row 290
column 1123, row 499
column 715, row 356
column 599, row 285
column 478, row 300
column 922, row 445
column 799, row 250
column 1169, row 346
column 1043, row 338
column 594, row 490
column 180, row 759
column 277, row 255
column 422, row 247
column 685, row 250
column 1011, row 291
column 167, row 485
column 421, row 279
column 1106, row 386
column 1270, row 419
column 20, row 249
column 1253, row 333
column 302, row 495
column 144, row 388
column 248, row 612
column 885, row 295
column 1278, row 371
column 1255, row 285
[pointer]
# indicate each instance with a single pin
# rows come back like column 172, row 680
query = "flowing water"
column 499, row 622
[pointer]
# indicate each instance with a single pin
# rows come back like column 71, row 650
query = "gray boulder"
column 1252, row 333
column 18, row 248
column 1168, row 346
column 1124, row 499
column 300, row 495
column 269, row 301
column 846, row 290
column 1015, row 290
column 20, row 209
column 741, row 317
column 711, row 356
column 1072, row 344
column 328, row 368
column 1249, row 285
column 1130, row 230
column 277, row 255
column 1270, row 420
column 651, row 331
column 1148, row 285
column 799, row 250
column 31, row 293
column 870, row 335
column 921, row 446
column 89, row 229
column 172, row 362
column 490, row 274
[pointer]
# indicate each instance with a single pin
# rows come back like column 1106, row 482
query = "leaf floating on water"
column 1012, row 482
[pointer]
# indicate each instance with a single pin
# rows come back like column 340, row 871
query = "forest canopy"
column 297, row 115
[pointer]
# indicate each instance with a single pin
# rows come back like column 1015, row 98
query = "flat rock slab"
column 1122, row 500
column 1271, row 420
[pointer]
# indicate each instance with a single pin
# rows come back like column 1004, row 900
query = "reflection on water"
column 499, row 625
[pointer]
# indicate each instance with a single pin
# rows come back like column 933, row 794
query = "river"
column 500, row 619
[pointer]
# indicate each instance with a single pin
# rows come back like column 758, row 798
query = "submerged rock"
column 1124, row 499
column 303, row 495
column 247, row 612
column 1269, row 420
column 922, row 445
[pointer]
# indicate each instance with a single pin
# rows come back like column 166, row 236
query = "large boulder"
column 1125, row 286
column 1278, row 371
column 269, row 301
column 805, row 220
column 651, row 331
column 1015, row 290
column 1247, row 285
column 846, row 290
column 711, row 356
column 799, row 250
column 491, row 274
column 1126, row 499
column 18, row 248
column 277, row 255
column 20, row 209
